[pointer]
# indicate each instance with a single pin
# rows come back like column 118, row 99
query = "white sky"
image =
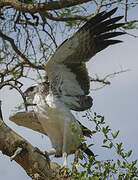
column 117, row 102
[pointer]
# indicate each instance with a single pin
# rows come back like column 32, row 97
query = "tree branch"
column 12, row 43
column 32, row 162
column 1, row 117
column 39, row 7
column 14, row 86
column 126, row 11
column 99, row 7
column 70, row 18
column 17, row 148
column 104, row 81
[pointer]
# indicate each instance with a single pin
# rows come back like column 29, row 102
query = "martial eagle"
column 68, row 83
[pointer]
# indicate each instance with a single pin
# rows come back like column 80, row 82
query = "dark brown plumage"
column 94, row 36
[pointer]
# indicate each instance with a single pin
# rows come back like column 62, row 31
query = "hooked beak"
column 29, row 91
column 25, row 94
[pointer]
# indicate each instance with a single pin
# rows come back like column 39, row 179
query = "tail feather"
column 86, row 132
column 86, row 150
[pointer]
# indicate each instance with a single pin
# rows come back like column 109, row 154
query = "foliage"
column 29, row 38
column 92, row 169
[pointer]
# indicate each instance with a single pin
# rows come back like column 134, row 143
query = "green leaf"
column 111, row 145
column 134, row 162
column 93, row 132
column 129, row 153
column 91, row 145
column 104, row 130
column 113, row 166
column 105, row 140
column 114, row 135
column 102, row 120
column 118, row 162
column 119, row 148
column 105, row 146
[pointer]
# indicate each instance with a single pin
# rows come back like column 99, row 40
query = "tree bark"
column 35, row 164
column 38, row 7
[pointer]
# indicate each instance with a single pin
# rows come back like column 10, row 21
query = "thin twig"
column 1, row 111
column 12, row 43
column 104, row 80
column 99, row 7
column 7, row 83
column 70, row 18
column 126, row 10
column 39, row 7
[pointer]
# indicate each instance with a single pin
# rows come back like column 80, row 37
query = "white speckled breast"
column 58, row 122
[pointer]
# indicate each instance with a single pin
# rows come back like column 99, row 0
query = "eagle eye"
column 31, row 88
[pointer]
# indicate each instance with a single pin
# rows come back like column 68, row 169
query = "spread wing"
column 28, row 120
column 66, row 68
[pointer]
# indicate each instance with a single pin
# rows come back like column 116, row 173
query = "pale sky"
column 117, row 102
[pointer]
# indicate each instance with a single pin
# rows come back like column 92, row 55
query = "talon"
column 18, row 151
column 64, row 164
column 45, row 154
column 51, row 152
column 36, row 149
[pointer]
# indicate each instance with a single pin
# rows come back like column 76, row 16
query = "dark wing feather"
column 98, row 18
column 80, row 70
column 71, row 56
column 86, row 150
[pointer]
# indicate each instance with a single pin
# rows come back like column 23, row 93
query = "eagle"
column 68, row 86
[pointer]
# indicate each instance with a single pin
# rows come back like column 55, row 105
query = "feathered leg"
column 64, row 150
column 64, row 163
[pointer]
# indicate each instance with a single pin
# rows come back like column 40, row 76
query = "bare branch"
column 126, row 10
column 31, row 161
column 70, row 18
column 99, row 7
column 118, row 2
column 131, row 34
column 104, row 81
column 132, row 3
column 8, row 83
column 39, row 7
column 1, row 117
column 18, row 149
column 11, row 41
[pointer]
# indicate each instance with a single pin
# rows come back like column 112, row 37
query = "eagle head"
column 41, row 88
